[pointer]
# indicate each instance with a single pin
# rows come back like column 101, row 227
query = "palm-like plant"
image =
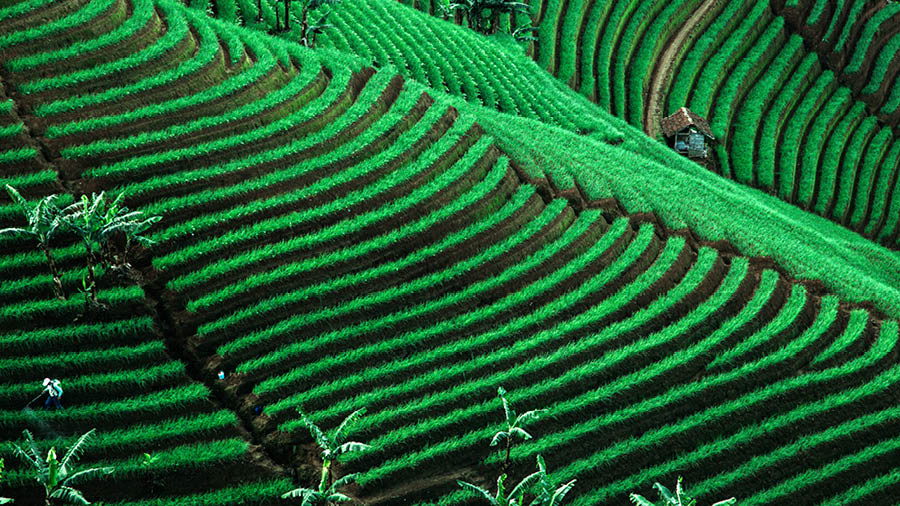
column 335, row 444
column 320, row 497
column 97, row 221
column 547, row 495
column 679, row 498
column 309, row 31
column 513, row 425
column 475, row 12
column 3, row 500
column 514, row 497
column 44, row 221
column 55, row 475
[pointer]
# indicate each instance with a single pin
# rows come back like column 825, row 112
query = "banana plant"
column 55, row 475
column 547, row 496
column 322, row 497
column 4, row 500
column 679, row 498
column 334, row 445
column 310, row 30
column 44, row 220
column 514, row 497
column 513, row 425
column 97, row 221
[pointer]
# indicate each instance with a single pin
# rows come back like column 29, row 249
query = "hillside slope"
column 336, row 236
column 637, row 173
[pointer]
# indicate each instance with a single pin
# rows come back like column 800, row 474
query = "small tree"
column 56, row 476
column 3, row 500
column 44, row 220
column 679, row 498
column 322, row 496
column 334, row 445
column 547, row 495
column 98, row 222
column 513, row 425
column 309, row 31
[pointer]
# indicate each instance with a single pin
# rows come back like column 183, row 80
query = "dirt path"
column 655, row 96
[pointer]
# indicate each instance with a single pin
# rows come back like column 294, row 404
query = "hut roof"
column 683, row 118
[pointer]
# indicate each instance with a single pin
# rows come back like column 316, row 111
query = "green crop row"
column 298, row 92
column 471, row 369
column 123, row 410
column 360, row 250
column 21, row 8
column 140, row 17
column 83, row 362
column 856, row 325
column 399, row 109
column 788, row 314
column 335, row 89
column 256, row 493
column 876, row 22
column 882, row 188
column 75, row 337
column 884, row 62
column 507, row 276
column 830, row 172
column 135, row 438
column 88, row 14
column 854, row 169
column 229, row 239
column 823, row 124
column 528, row 345
column 208, row 49
column 690, row 68
column 243, row 80
column 35, row 310
column 178, row 30
column 115, row 383
column 642, row 407
column 286, row 325
column 579, row 374
column 299, row 347
column 790, row 144
column 754, row 431
column 751, row 115
column 789, row 95
column 704, row 418
column 420, row 336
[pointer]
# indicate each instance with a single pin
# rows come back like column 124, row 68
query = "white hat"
column 46, row 381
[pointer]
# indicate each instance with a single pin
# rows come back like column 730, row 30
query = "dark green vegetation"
column 411, row 215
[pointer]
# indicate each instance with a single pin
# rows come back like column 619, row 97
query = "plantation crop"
column 413, row 215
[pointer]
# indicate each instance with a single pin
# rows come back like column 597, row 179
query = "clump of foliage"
column 100, row 223
column 546, row 496
column 57, row 475
column 43, row 222
column 483, row 16
column 513, row 425
column 679, row 498
column 3, row 500
column 333, row 446
column 107, row 229
column 309, row 28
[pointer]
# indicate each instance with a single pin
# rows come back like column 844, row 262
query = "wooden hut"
column 687, row 133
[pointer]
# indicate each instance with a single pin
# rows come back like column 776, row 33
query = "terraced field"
column 378, row 224
column 746, row 69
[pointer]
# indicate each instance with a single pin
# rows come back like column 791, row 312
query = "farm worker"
column 54, row 393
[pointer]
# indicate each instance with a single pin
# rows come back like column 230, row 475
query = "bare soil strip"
column 663, row 67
